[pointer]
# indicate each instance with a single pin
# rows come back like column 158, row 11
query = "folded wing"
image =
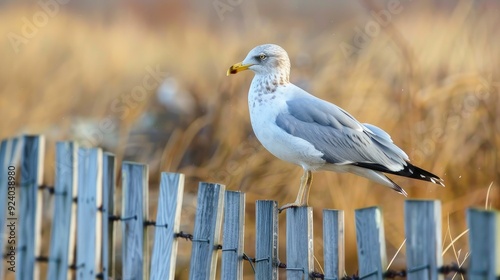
column 339, row 136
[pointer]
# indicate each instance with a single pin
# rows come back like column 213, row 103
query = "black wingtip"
column 415, row 172
column 409, row 171
column 397, row 188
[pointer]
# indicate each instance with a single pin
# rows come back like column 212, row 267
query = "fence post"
column 107, row 210
column 484, row 239
column 266, row 245
column 233, row 236
column 30, row 211
column 423, row 239
column 207, row 226
column 167, row 225
column 372, row 257
column 89, row 188
column 299, row 243
column 134, row 213
column 9, row 156
column 333, row 243
column 64, row 220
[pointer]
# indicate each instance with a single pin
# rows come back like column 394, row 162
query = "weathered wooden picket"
column 86, row 220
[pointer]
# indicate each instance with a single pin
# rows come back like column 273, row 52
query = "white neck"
column 267, row 84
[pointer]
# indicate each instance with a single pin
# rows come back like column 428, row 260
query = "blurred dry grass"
column 431, row 80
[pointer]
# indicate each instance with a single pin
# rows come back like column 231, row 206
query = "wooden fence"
column 86, row 220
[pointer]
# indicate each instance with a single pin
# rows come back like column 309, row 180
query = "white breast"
column 264, row 108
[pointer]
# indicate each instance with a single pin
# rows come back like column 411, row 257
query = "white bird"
column 300, row 128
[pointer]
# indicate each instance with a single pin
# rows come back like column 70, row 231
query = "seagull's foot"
column 303, row 195
column 291, row 205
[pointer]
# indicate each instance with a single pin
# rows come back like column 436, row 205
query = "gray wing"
column 384, row 138
column 338, row 135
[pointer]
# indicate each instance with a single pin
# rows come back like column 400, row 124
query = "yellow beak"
column 238, row 67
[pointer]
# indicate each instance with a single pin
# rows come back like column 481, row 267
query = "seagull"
column 297, row 127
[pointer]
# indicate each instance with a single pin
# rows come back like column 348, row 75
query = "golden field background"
column 429, row 77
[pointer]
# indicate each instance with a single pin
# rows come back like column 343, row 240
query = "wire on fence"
column 74, row 266
column 251, row 261
column 120, row 218
column 389, row 274
column 184, row 235
column 50, row 189
column 148, row 223
column 189, row 237
column 42, row 259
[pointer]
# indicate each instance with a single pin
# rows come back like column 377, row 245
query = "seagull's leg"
column 303, row 195
column 305, row 187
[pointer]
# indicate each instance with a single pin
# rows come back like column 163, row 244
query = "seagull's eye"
column 262, row 56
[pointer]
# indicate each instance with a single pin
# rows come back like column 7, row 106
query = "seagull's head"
column 264, row 60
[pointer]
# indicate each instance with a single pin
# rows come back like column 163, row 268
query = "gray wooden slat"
column 99, row 219
column 9, row 163
column 135, row 210
column 484, row 240
column 266, row 245
column 108, row 191
column 73, row 223
column 30, row 209
column 333, row 243
column 167, row 225
column 233, row 236
column 207, row 227
column 423, row 239
column 372, row 257
column 299, row 243
column 65, row 183
column 89, row 180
